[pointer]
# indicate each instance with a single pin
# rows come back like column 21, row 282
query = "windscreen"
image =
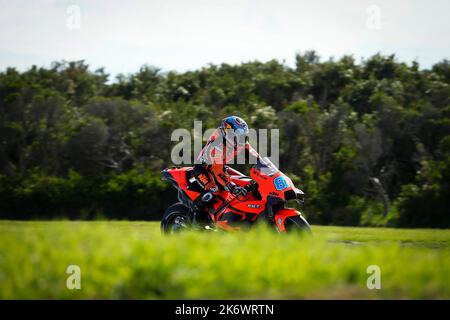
column 265, row 166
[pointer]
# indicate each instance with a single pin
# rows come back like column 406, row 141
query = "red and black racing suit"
column 211, row 172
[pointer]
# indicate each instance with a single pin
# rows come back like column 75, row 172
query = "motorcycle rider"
column 226, row 144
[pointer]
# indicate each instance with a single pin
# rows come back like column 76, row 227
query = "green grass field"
column 132, row 260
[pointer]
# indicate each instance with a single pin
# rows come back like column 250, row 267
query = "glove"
column 237, row 190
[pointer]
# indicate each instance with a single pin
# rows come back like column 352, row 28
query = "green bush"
column 136, row 194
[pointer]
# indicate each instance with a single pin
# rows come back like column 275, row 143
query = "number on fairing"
column 280, row 183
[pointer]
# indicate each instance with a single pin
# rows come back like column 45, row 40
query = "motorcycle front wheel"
column 297, row 224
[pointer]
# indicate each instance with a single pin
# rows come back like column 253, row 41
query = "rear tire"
column 297, row 224
column 175, row 219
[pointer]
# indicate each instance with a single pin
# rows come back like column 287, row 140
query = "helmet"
column 234, row 130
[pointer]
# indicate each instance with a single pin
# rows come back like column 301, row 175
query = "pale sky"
column 188, row 34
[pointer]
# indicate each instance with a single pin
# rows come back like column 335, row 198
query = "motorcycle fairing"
column 281, row 215
column 274, row 189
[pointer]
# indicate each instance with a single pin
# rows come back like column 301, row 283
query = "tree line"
column 368, row 141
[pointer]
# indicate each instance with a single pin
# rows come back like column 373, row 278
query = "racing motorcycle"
column 268, row 191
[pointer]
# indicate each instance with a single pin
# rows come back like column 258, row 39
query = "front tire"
column 297, row 224
column 175, row 219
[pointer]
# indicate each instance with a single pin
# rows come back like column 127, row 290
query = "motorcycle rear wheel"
column 175, row 219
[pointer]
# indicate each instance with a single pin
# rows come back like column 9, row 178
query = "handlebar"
column 249, row 187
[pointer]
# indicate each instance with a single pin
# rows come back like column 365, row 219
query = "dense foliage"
column 369, row 142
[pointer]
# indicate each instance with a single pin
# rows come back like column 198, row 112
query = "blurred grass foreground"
column 132, row 260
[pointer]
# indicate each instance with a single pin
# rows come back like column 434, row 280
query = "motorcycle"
column 268, row 191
